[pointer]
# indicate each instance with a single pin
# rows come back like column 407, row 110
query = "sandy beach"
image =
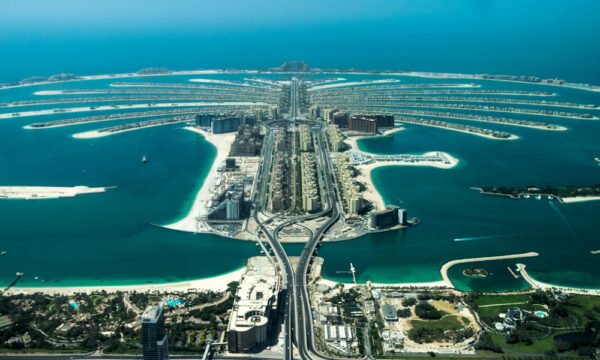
column 544, row 286
column 352, row 141
column 568, row 200
column 223, row 144
column 47, row 192
column 217, row 283
column 98, row 134
column 371, row 192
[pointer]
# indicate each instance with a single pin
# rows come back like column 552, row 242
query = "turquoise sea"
column 109, row 238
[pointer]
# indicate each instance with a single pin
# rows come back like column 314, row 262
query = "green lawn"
column 501, row 299
column 445, row 323
column 582, row 304
column 538, row 346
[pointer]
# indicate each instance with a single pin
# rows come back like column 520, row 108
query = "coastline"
column 222, row 143
column 215, row 283
column 366, row 176
column 93, row 134
column 511, row 137
column 545, row 286
column 576, row 199
column 428, row 284
column 371, row 193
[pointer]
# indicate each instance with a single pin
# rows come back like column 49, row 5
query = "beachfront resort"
column 292, row 169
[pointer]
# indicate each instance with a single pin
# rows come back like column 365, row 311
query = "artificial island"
column 288, row 169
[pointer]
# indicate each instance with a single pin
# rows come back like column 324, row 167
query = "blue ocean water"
column 109, row 238
column 550, row 39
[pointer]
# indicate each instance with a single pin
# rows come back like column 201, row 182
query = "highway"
column 297, row 312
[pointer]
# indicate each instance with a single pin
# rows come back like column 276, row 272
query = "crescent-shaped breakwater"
column 444, row 269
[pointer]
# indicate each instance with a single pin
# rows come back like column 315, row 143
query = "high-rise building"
column 225, row 124
column 233, row 207
column 155, row 345
column 340, row 119
column 402, row 217
column 314, row 111
column 385, row 218
column 359, row 123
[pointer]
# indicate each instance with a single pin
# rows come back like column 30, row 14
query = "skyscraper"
column 154, row 337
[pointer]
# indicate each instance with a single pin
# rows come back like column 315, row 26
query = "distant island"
column 476, row 272
column 564, row 194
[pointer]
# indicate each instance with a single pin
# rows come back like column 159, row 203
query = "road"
column 297, row 311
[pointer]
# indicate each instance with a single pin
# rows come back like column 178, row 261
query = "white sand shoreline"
column 545, row 286
column 93, row 134
column 433, row 75
column 577, row 199
column 222, row 142
column 371, row 193
column 215, row 283
column 47, row 192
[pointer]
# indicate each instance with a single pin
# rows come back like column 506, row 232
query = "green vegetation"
column 571, row 327
column 449, row 328
column 428, row 311
column 408, row 302
column 445, row 323
column 475, row 272
column 403, row 313
column 502, row 299
column 48, row 323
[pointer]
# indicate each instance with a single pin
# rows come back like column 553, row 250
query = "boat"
column 144, row 159
column 2, row 253
column 526, row 196
column 597, row 159
column 539, row 197
column 19, row 274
